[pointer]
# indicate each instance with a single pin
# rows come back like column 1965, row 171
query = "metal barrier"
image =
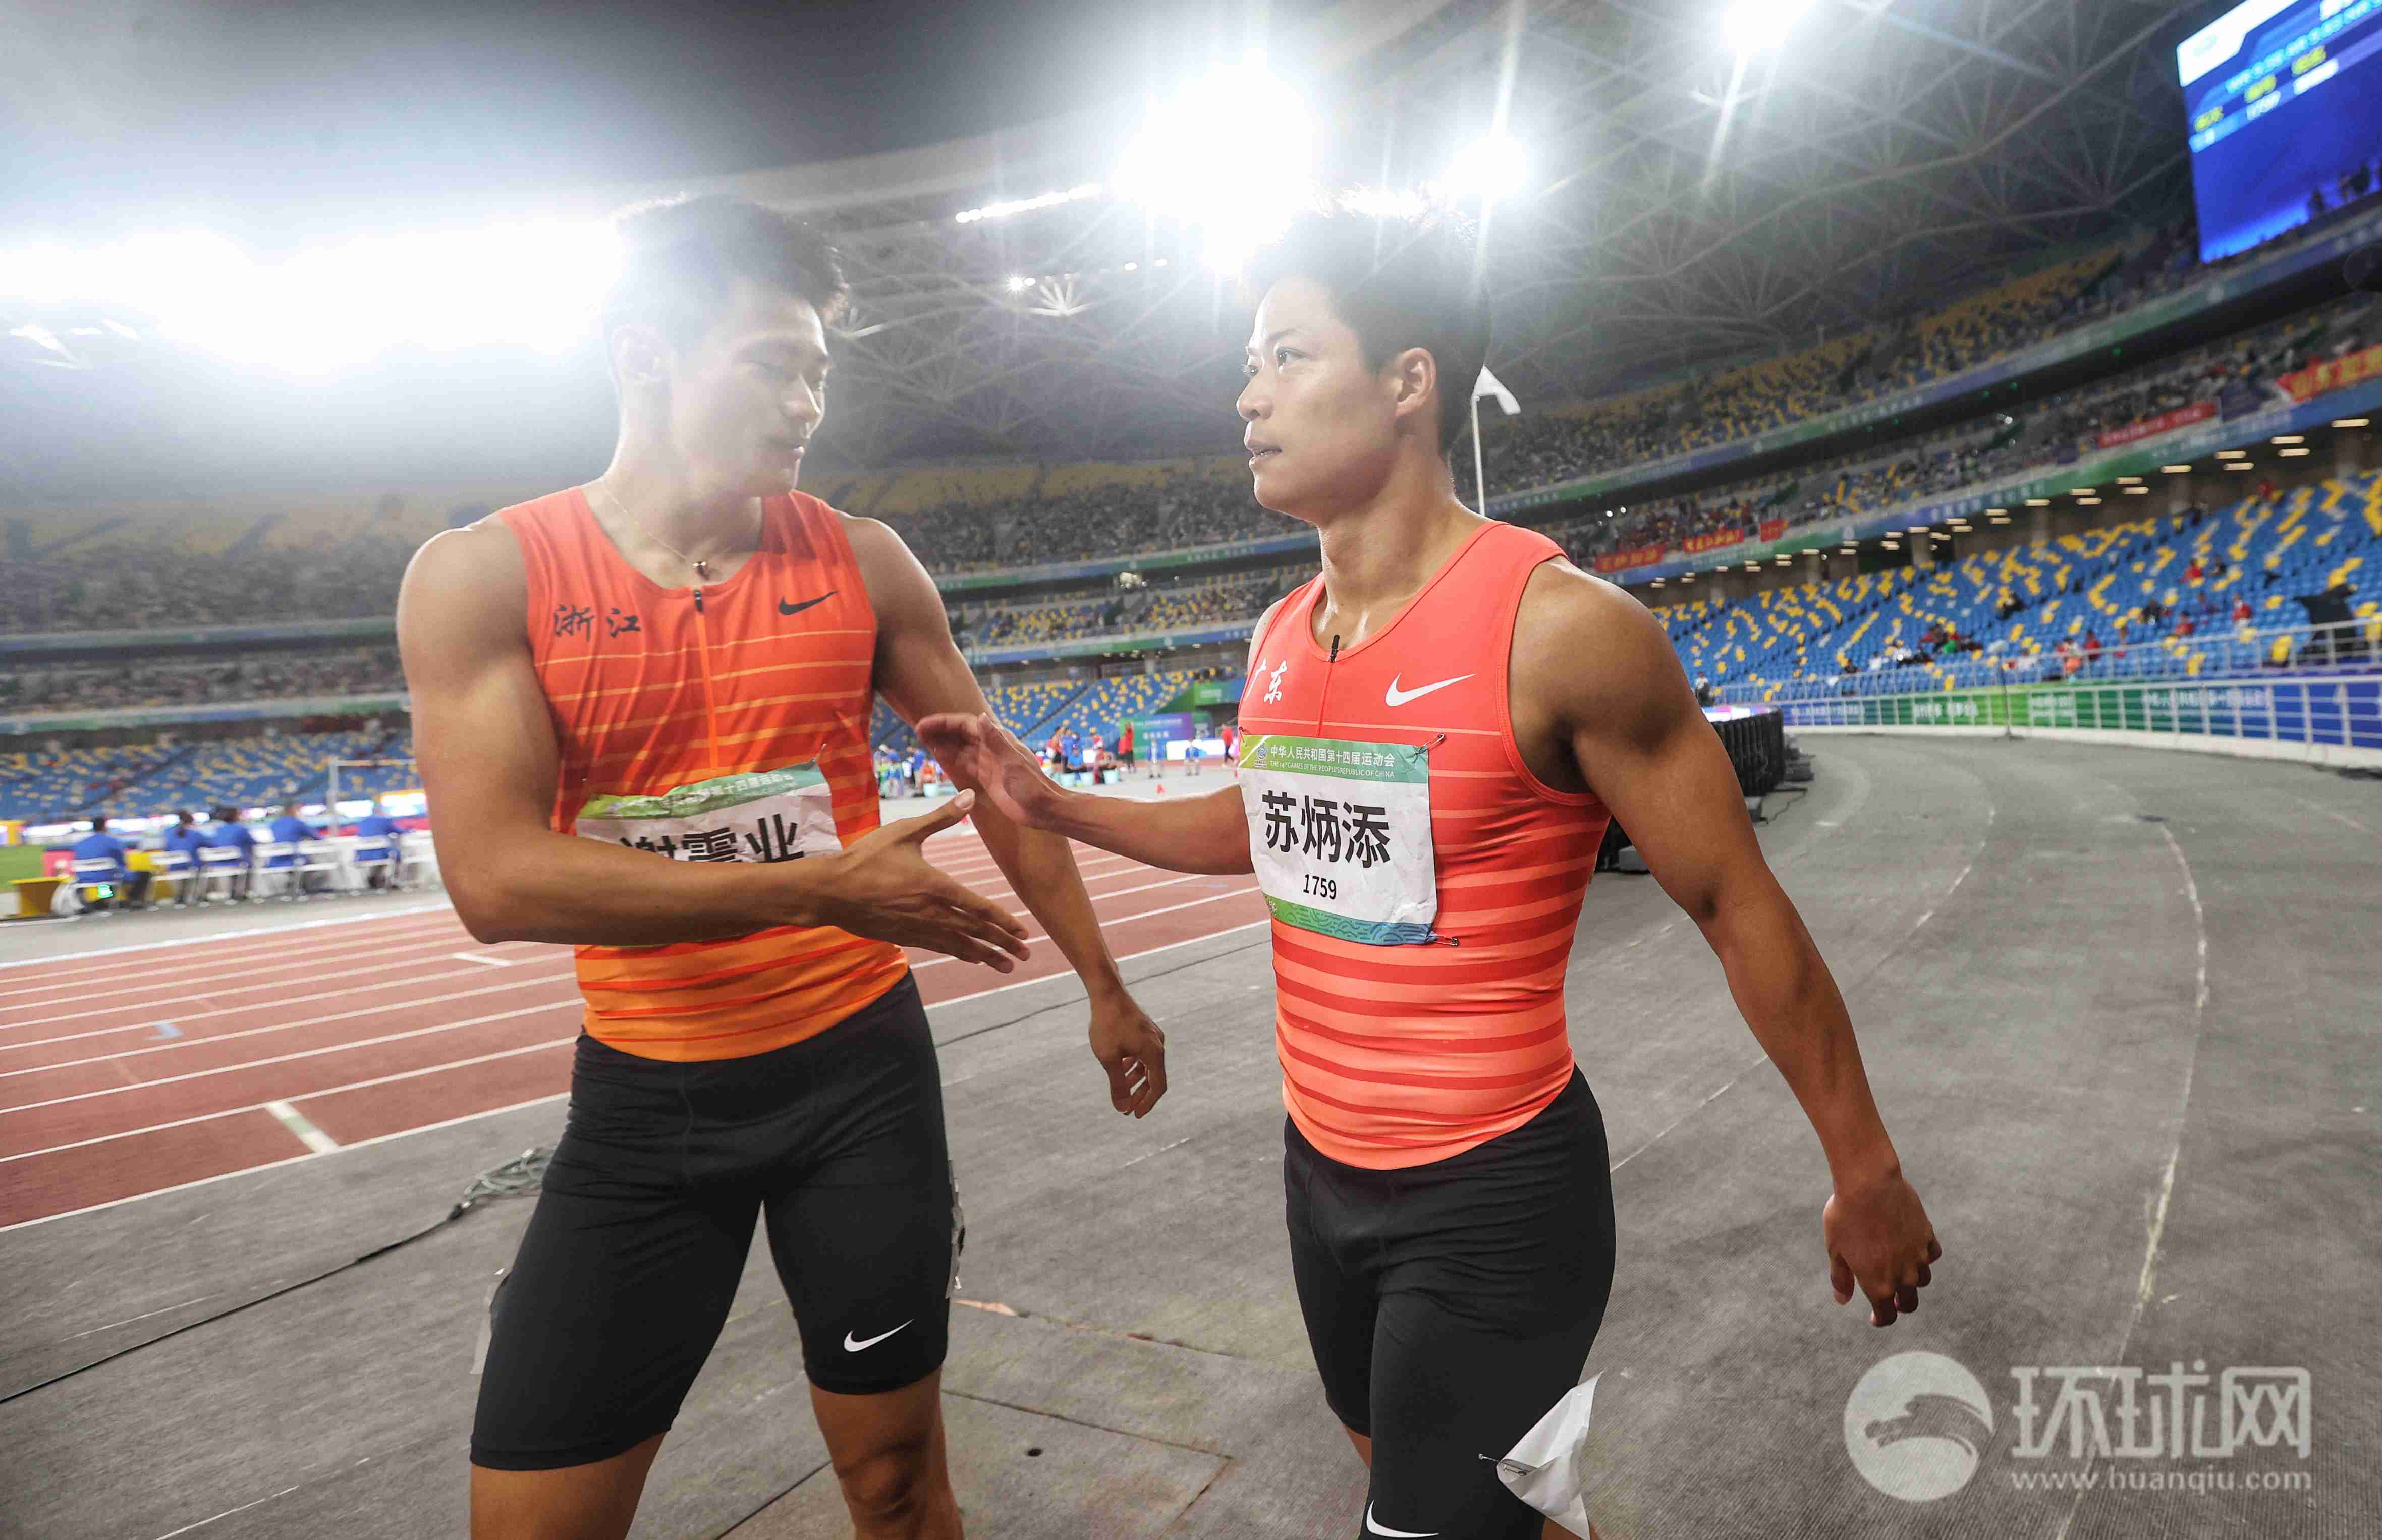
column 2347, row 646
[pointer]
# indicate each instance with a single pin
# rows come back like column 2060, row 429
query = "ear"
column 638, row 355
column 1414, row 376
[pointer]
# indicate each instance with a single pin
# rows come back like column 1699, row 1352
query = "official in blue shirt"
column 377, row 837
column 229, row 832
column 188, row 839
column 100, row 845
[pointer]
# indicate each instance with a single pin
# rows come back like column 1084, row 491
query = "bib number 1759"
column 1322, row 887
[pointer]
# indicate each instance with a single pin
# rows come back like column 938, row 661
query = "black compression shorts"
column 1451, row 1305
column 632, row 1258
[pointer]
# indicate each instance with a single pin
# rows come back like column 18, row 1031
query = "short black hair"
column 682, row 256
column 1398, row 281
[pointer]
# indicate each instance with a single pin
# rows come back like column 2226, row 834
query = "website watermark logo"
column 1919, row 1425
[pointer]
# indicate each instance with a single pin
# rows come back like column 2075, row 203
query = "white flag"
column 1488, row 385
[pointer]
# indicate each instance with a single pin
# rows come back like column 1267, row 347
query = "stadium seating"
column 2075, row 609
column 251, row 772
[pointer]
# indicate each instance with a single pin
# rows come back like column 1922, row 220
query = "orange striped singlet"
column 725, row 722
column 1397, row 1055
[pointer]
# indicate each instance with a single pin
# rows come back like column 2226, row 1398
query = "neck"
column 1379, row 553
column 672, row 502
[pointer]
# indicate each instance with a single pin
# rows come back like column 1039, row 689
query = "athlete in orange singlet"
column 1438, row 727
column 641, row 708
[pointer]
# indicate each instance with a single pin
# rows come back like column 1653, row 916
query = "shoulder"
column 475, row 574
column 1595, row 656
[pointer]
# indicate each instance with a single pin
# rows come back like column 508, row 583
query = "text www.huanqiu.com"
column 2102, row 1479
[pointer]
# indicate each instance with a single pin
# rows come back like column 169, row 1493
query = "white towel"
column 1549, row 1468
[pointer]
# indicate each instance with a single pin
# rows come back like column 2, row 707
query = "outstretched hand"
column 1879, row 1240
column 883, row 887
column 980, row 752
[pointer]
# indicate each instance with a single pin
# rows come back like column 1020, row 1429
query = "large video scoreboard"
column 2283, row 99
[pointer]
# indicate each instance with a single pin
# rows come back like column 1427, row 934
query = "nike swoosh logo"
column 852, row 1347
column 1371, row 1526
column 1396, row 697
column 785, row 608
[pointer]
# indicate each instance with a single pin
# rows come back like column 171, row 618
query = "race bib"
column 1339, row 832
column 761, row 816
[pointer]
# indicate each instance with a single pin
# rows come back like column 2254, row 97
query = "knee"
column 888, row 1486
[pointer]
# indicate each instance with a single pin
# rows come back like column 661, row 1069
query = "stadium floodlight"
column 2176, row 469
column 2240, row 465
column 1026, row 205
column 1375, row 203
column 2232, row 454
column 1175, row 166
column 1019, row 283
column 2088, row 502
column 2291, row 454
column 2138, row 491
column 2130, row 481
column 1490, row 168
column 2038, row 502
column 2350, row 421
column 2286, row 438
column 1755, row 25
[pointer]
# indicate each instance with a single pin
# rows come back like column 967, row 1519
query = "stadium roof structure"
column 1687, row 199
column 1684, row 203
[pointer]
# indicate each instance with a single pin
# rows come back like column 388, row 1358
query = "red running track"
column 151, row 1067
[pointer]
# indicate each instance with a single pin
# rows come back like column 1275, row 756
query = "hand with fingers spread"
column 883, row 887
column 980, row 752
column 1879, row 1239
column 1132, row 1049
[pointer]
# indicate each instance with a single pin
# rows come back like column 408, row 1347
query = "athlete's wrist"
column 803, row 890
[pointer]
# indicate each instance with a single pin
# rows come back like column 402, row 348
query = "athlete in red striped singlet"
column 1438, row 729
column 641, row 708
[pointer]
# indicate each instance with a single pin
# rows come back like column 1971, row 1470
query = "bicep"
column 481, row 731
column 919, row 669
column 1645, row 748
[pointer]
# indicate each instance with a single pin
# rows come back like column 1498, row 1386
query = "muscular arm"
column 1208, row 834
column 1630, row 730
column 920, row 672
column 484, row 739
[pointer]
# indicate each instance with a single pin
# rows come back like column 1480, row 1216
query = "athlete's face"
column 1320, row 425
column 747, row 396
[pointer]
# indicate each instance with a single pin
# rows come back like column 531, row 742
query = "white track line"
column 326, row 1090
column 289, row 959
column 308, row 1134
column 147, row 1050
column 285, row 1026
column 211, row 994
column 148, row 1026
column 286, row 1160
column 470, row 1116
column 249, row 1010
column 1119, row 920
column 288, row 1058
column 482, row 958
column 261, row 949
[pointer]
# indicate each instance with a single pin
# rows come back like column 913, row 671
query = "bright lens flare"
column 534, row 284
column 1182, row 164
column 1490, row 169
column 1755, row 25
